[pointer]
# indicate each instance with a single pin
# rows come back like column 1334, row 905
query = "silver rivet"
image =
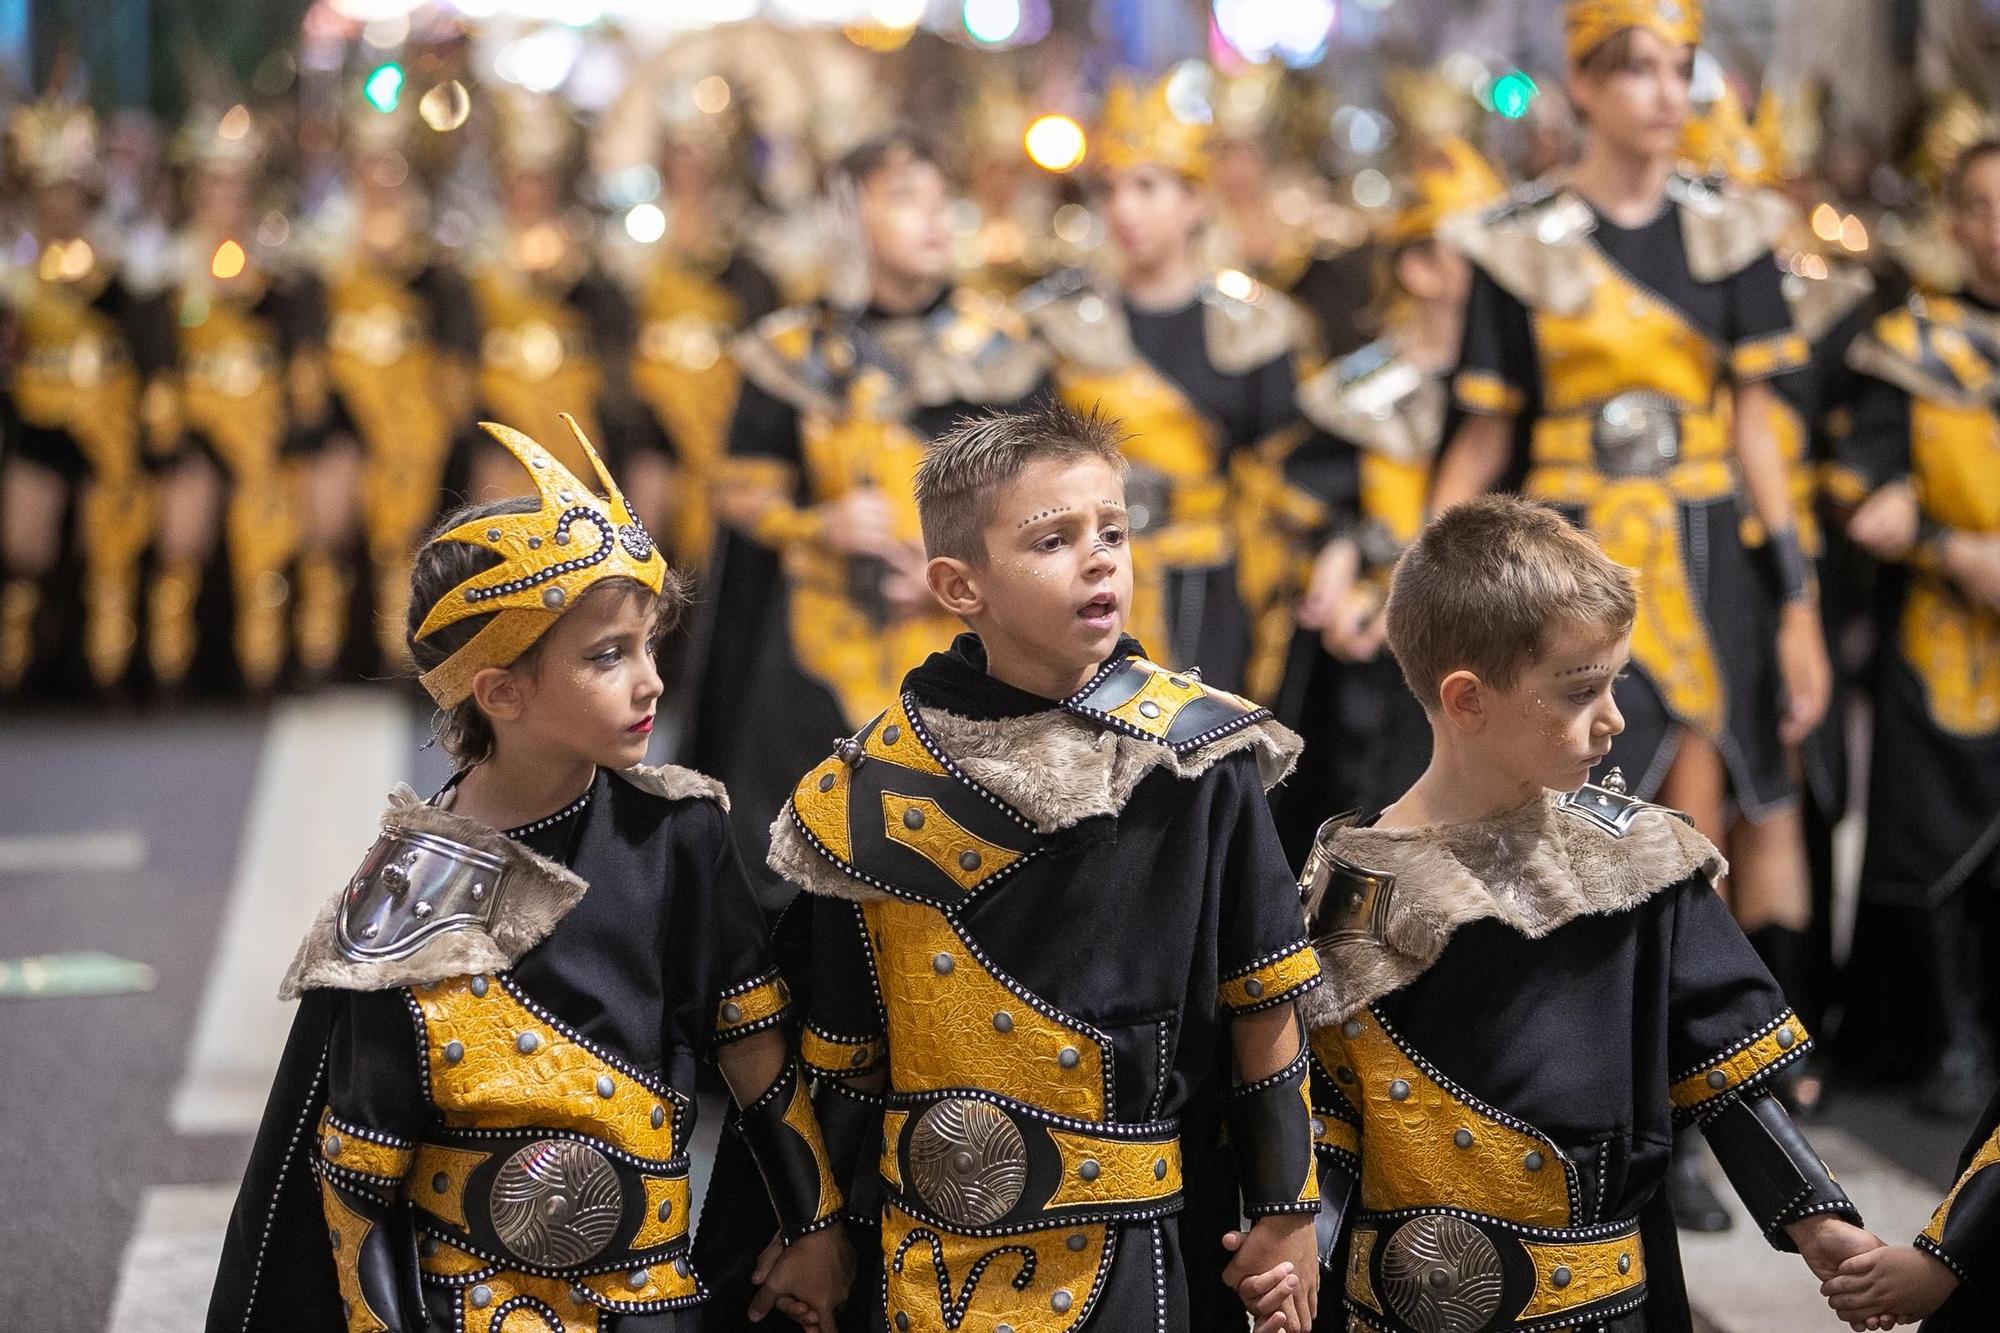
column 482, row 1296
column 826, row 782
column 540, row 461
column 577, row 1296
column 1068, row 1057
column 732, row 1012
column 638, row 1278
column 1624, row 1264
column 858, row 1059
column 1533, row 1161
column 1147, row 708
column 1344, row 1074
column 659, row 1116
column 1177, row 682
column 1061, row 1301
column 942, row 964
column 478, row 892
column 666, row 1209
column 1351, row 1028
column 1561, row 1277
column 534, row 543
column 454, row 1051
column 1717, row 1079
column 1003, row 1021
column 1253, row 988
column 891, row 734
column 913, row 818
column 440, row 1183
column 902, row 1322
column 552, row 598
column 492, row 534
column 1077, row 1242
column 681, row 1267
column 1463, row 1138
column 428, row 1247
column 1159, row 1168
column 1003, row 1328
column 333, row 1234
column 332, row 1145
column 422, row 911
column 1319, row 1128
column 347, row 1311
column 527, row 1043
column 1785, row 1039
column 968, row 861
column 1399, row 1091
column 479, row 987
column 1090, row 1169
column 605, row 1087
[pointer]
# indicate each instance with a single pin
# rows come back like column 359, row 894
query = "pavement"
column 197, row 845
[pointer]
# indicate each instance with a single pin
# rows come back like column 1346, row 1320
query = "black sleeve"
column 756, row 294
column 1876, row 448
column 454, row 318
column 1498, row 374
column 1263, row 956
column 749, row 994
column 1729, row 1025
column 1274, row 390
column 763, row 426
column 1763, row 343
column 375, row 1059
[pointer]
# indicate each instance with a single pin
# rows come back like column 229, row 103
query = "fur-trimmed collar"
column 1055, row 768
column 535, row 894
column 671, row 782
column 1535, row 869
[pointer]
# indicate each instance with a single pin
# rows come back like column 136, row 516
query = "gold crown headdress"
column 1453, row 177
column 54, row 142
column 543, row 570
column 1588, row 24
column 1138, row 127
column 1721, row 139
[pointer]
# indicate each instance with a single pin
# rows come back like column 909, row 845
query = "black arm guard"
column 1771, row 1166
column 850, row 1120
column 1270, row 1128
column 1336, row 1195
column 374, row 1255
column 783, row 1136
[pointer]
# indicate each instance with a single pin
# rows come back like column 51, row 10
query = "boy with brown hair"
column 1531, row 981
column 1047, row 898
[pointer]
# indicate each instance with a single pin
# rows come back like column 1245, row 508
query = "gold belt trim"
column 1407, row 1271
column 1565, row 462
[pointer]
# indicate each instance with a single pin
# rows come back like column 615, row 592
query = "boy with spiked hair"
column 1531, row 980
column 1047, row 897
column 485, row 1104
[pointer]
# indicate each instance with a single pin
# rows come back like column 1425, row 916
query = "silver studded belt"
column 982, row 1163
column 1447, row 1270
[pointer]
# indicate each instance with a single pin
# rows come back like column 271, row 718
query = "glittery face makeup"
column 1558, row 721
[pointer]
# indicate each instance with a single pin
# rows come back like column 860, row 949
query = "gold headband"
column 1453, row 178
column 1588, row 24
column 542, row 571
column 1138, row 128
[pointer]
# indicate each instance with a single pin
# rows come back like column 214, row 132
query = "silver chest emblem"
column 968, row 1161
column 556, row 1203
column 1442, row 1275
column 412, row 887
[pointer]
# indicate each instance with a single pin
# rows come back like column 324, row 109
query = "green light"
column 1513, row 94
column 384, row 88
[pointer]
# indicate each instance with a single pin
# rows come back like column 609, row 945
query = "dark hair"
column 1610, row 55
column 894, row 147
column 440, row 566
column 1974, row 153
column 963, row 468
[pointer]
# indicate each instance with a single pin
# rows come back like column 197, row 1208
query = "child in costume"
column 486, row 1100
column 1950, row 1278
column 1047, row 901
column 1531, row 982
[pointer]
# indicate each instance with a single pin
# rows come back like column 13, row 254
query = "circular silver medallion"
column 1441, row 1275
column 968, row 1162
column 556, row 1203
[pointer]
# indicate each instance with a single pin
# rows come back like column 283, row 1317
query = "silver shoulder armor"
column 1610, row 807
column 1344, row 901
column 412, row 887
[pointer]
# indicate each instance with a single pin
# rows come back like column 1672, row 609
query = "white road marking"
column 169, row 1264
column 322, row 780
column 100, row 851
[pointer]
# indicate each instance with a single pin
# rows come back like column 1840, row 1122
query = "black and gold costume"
column 1926, row 415
column 1619, row 346
column 249, row 393
column 88, row 353
column 1964, row 1233
column 1364, row 473
column 1518, row 1013
column 1043, row 1152
column 401, row 340
column 486, row 1101
column 832, row 403
column 688, row 310
column 1196, row 390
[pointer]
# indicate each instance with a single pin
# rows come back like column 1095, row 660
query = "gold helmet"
column 54, row 142
column 1954, row 124
column 1138, row 127
column 543, row 569
column 1453, row 177
column 1720, row 140
column 1588, row 24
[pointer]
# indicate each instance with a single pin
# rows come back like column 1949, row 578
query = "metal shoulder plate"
column 1174, row 708
column 1344, row 901
column 1610, row 807
column 413, row 887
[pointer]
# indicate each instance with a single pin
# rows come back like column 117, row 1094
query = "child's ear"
column 951, row 582
column 1462, row 698
column 499, row 693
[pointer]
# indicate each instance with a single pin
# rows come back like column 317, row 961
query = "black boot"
column 1695, row 1206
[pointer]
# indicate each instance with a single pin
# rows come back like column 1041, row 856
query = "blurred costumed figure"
column 1004, row 224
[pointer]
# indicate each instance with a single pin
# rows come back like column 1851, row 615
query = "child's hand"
column 1896, row 1283
column 1826, row 1242
column 1276, row 1271
column 805, row 1281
